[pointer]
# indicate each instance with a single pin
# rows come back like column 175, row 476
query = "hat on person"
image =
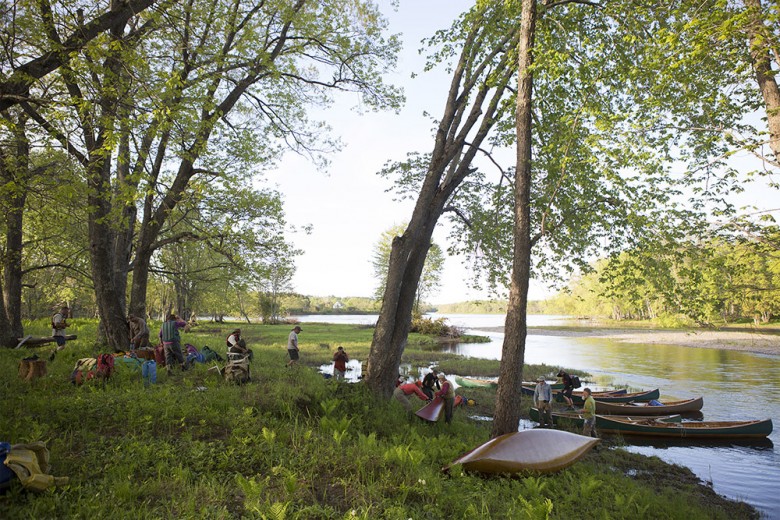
column 442, row 376
column 297, row 327
column 540, row 378
column 560, row 374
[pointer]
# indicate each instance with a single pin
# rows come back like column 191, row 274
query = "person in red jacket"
column 340, row 359
column 402, row 391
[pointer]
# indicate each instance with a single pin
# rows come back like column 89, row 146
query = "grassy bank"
column 294, row 445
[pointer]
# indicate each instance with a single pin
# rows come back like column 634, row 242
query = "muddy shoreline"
column 747, row 341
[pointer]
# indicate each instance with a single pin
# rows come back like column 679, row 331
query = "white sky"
column 348, row 205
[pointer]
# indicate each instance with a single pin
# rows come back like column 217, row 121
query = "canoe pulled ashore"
column 667, row 408
column 473, row 382
column 651, row 427
column 577, row 419
column 533, row 451
column 613, row 397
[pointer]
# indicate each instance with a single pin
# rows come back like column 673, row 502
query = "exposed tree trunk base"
column 29, row 341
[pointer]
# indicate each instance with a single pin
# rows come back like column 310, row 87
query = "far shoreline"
column 746, row 341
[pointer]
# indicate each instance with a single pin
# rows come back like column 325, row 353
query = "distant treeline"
column 714, row 282
column 488, row 307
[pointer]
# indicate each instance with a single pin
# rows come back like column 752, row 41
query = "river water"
column 735, row 385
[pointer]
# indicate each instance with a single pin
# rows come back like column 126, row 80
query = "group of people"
column 543, row 396
column 434, row 384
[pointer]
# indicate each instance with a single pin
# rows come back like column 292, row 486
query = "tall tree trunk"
column 507, row 415
column 407, row 258
column 470, row 112
column 765, row 76
column 16, row 170
column 7, row 338
column 101, row 238
column 123, row 237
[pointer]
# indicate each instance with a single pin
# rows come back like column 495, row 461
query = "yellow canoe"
column 533, row 451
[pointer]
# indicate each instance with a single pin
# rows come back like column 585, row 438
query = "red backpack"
column 105, row 365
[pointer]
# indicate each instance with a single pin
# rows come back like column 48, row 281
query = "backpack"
column 237, row 372
column 159, row 355
column 105, row 366
column 575, row 381
column 210, row 355
column 193, row 354
column 82, row 365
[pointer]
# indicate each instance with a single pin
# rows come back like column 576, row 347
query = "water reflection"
column 735, row 386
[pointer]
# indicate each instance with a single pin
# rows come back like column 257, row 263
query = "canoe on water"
column 431, row 411
column 528, row 389
column 528, row 451
column 666, row 408
column 577, row 419
column 649, row 395
column 473, row 382
column 651, row 427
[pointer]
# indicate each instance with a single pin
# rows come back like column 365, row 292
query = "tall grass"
column 290, row 445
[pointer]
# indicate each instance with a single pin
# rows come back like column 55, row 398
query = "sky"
column 348, row 205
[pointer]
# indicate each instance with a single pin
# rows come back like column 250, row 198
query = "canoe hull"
column 631, row 409
column 528, row 451
column 431, row 411
column 577, row 419
column 614, row 397
column 715, row 430
column 470, row 382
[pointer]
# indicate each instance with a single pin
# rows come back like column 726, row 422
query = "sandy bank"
column 727, row 340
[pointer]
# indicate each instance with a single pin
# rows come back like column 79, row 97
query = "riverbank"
column 756, row 342
column 291, row 444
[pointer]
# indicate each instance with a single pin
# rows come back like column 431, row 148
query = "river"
column 736, row 385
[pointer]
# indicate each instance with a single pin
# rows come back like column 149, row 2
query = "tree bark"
column 765, row 76
column 472, row 106
column 507, row 414
column 17, row 170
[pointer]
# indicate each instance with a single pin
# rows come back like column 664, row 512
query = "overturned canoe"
column 576, row 418
column 666, row 408
column 533, row 451
column 431, row 411
column 614, row 397
column 473, row 382
column 651, row 427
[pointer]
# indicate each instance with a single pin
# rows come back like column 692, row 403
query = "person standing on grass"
column 58, row 325
column 543, row 402
column 589, row 414
column 292, row 345
column 430, row 383
column 568, row 388
column 447, row 393
column 402, row 391
column 340, row 359
column 171, row 340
